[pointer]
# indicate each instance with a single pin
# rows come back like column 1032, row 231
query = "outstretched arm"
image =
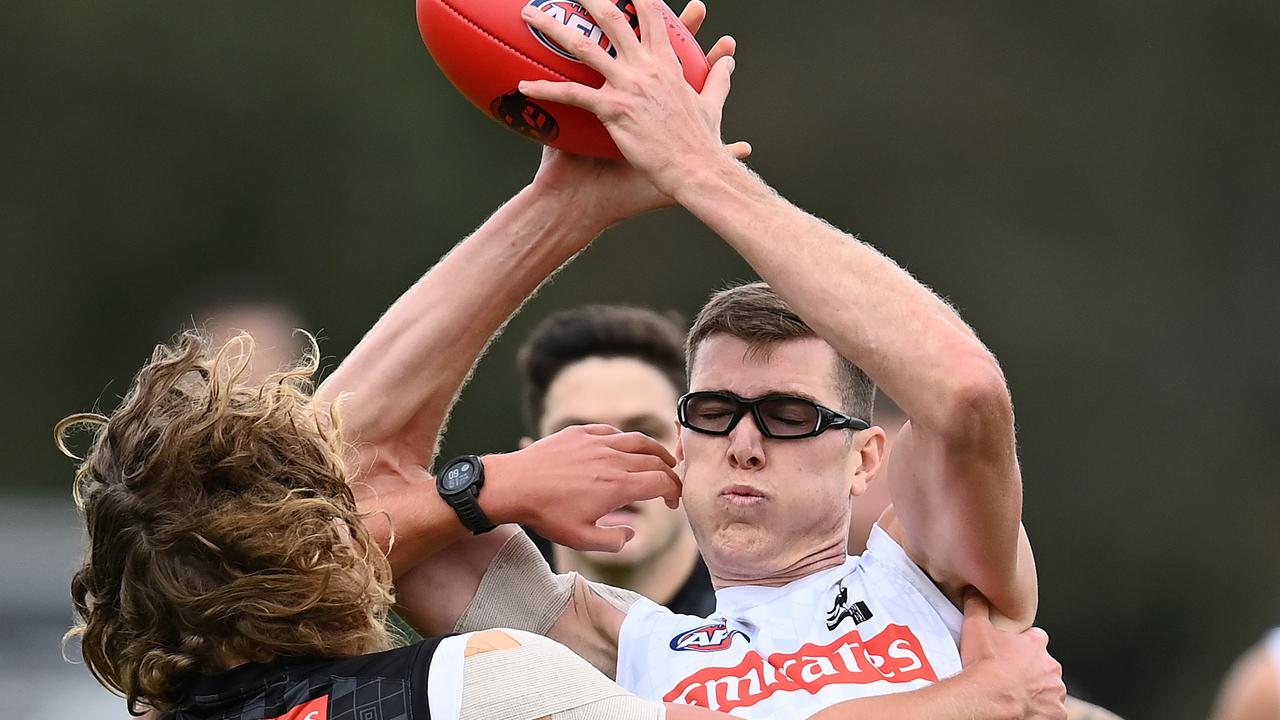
column 955, row 476
column 396, row 387
column 400, row 382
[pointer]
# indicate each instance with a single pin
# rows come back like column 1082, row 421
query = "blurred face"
column 275, row 345
column 762, row 508
column 632, row 396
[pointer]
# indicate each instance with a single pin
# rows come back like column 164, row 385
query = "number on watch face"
column 457, row 477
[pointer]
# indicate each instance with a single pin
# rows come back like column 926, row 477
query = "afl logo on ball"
column 525, row 117
column 573, row 15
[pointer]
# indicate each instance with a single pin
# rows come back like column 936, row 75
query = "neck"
column 824, row 558
column 658, row 577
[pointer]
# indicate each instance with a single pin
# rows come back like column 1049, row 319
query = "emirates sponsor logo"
column 895, row 655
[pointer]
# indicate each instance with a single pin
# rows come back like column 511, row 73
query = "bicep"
column 592, row 623
column 959, row 510
column 500, row 580
column 435, row 594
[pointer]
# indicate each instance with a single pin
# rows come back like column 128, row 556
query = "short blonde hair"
column 221, row 526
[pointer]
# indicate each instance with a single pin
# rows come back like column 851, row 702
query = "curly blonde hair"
column 221, row 526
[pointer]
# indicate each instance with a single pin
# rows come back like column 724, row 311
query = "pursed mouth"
column 742, row 491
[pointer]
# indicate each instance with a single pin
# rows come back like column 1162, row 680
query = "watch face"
column 458, row 476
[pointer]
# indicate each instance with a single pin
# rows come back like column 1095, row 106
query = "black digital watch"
column 459, row 483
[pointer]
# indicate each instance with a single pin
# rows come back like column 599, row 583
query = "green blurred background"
column 1093, row 184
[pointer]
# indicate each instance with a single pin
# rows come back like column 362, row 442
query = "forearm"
column 403, row 376
column 871, row 310
column 955, row 698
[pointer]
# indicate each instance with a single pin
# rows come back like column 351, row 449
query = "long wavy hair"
column 221, row 527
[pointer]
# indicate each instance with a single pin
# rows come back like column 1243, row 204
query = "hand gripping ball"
column 486, row 49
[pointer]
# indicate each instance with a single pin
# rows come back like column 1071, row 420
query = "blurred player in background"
column 624, row 367
column 1252, row 689
column 250, row 305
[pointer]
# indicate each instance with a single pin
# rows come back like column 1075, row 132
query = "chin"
column 742, row 551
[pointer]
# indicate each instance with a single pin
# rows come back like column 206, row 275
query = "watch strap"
column 467, row 506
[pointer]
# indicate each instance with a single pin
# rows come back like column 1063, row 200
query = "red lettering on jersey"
column 895, row 655
column 317, row 709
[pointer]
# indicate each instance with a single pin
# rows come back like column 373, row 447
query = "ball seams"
column 504, row 43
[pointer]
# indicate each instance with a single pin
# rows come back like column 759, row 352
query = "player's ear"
column 866, row 455
column 679, row 442
column 525, row 442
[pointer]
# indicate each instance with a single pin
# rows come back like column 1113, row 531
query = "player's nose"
column 746, row 446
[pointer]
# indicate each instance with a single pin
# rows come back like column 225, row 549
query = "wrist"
column 708, row 180
column 499, row 498
column 570, row 209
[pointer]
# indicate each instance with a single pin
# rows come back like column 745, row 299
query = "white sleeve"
column 638, row 629
column 536, row 679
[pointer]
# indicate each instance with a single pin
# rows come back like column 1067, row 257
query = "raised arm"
column 395, row 389
column 400, row 381
column 954, row 477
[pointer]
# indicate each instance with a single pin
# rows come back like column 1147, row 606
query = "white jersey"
column 874, row 625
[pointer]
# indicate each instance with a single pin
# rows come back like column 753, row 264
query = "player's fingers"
column 643, row 461
column 600, row 429
column 716, row 89
column 614, row 24
column 605, row 539
column 565, row 93
column 680, row 470
column 651, row 484
column 724, row 47
column 975, row 633
column 693, row 15
column 976, row 607
column 582, row 47
column 641, row 444
column 653, row 26
column 740, row 150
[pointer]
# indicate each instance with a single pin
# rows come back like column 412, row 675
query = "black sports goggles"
column 781, row 417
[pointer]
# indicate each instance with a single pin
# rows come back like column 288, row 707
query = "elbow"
column 977, row 403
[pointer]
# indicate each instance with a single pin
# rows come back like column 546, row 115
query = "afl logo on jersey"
column 573, row 15
column 708, row 638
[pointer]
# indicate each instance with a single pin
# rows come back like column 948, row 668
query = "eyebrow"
column 793, row 393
